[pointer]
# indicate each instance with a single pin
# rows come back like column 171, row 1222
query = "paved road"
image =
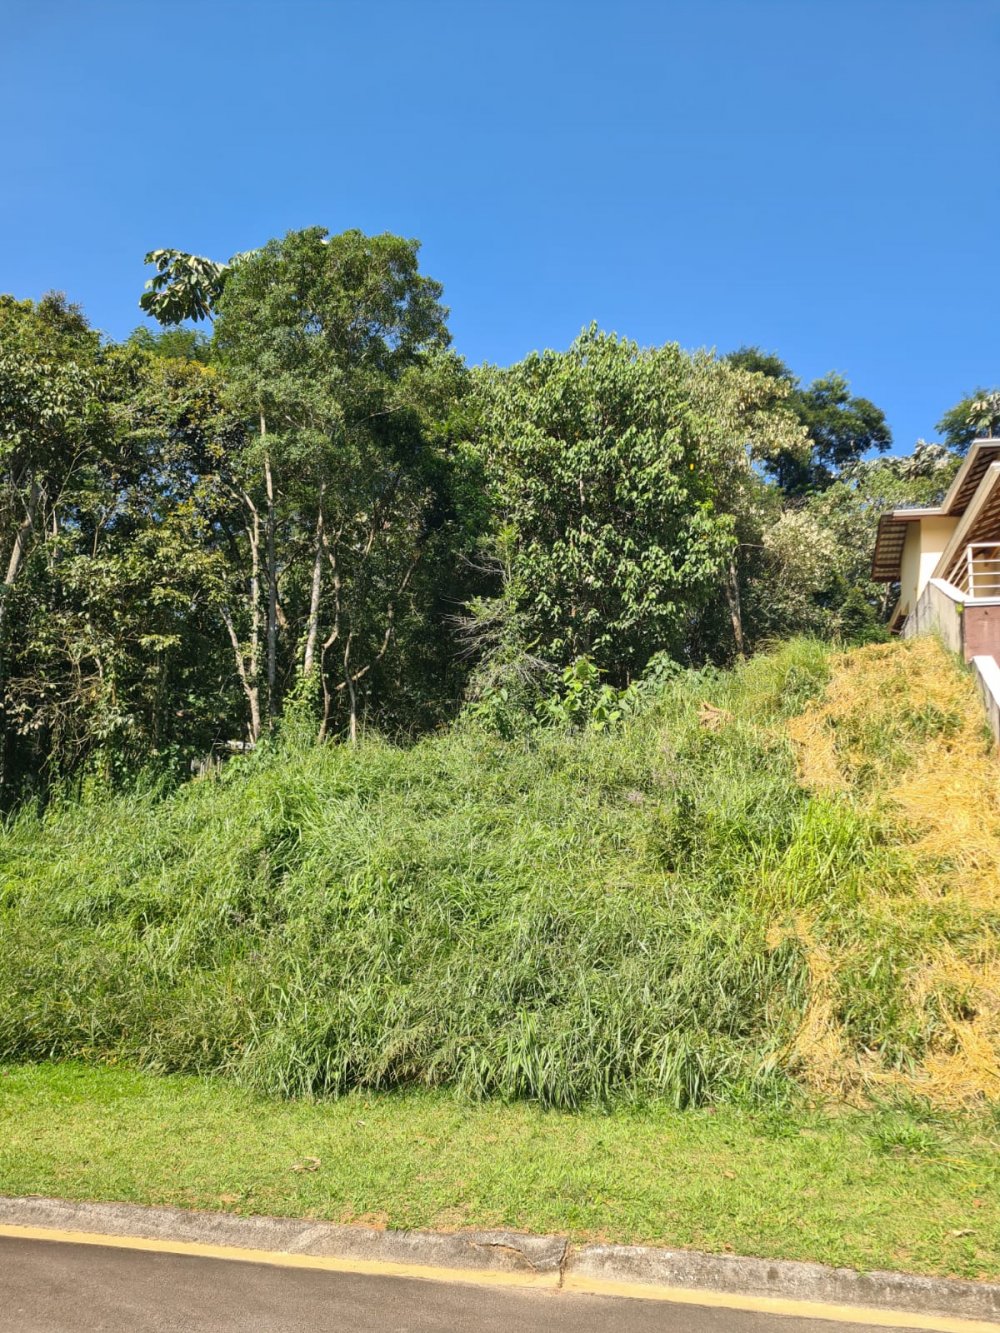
column 49, row 1287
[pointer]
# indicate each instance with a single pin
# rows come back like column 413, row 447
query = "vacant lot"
column 724, row 976
column 776, row 879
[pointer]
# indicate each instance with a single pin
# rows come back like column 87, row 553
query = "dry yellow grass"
column 900, row 733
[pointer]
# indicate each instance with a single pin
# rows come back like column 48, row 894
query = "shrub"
column 658, row 909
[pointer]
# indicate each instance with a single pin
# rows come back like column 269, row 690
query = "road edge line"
column 284, row 1258
column 514, row 1259
column 789, row 1307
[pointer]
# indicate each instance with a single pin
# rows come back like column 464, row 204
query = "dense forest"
column 319, row 512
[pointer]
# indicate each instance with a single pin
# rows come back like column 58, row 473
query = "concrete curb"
column 788, row 1280
column 507, row 1252
column 492, row 1251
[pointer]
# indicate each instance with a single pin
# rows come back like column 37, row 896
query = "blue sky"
column 819, row 177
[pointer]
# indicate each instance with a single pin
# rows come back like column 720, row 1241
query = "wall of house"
column 981, row 630
column 926, row 539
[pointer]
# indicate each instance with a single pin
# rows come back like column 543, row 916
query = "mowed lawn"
column 888, row 1188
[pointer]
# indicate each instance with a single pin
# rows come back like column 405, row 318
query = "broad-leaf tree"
column 53, row 429
column 975, row 417
column 331, row 345
column 617, row 532
column 842, row 427
column 743, row 425
column 116, row 660
column 184, row 286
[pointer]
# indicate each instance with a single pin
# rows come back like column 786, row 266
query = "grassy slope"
column 677, row 914
column 572, row 919
column 904, row 961
column 868, row 1190
column 665, row 912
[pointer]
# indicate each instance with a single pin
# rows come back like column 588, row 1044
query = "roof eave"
column 966, row 522
column 949, row 505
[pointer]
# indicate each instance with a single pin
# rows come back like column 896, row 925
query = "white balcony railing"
column 978, row 575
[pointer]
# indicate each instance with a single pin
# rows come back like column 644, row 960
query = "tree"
column 334, row 347
column 116, row 661
column 184, row 286
column 744, row 424
column 49, row 418
column 793, row 585
column 616, row 535
column 176, row 344
column 849, row 511
column 842, row 428
column 975, row 416
column 52, row 431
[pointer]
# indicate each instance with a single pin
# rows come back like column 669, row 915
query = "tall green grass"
column 570, row 917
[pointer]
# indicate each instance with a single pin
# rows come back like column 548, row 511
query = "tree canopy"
column 974, row 416
column 315, row 514
column 842, row 428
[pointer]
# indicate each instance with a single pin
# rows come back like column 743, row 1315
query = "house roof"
column 889, row 540
column 892, row 526
column 979, row 523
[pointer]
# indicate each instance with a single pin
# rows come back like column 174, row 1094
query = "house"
column 946, row 560
column 956, row 544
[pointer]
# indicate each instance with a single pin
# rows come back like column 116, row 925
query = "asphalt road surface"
column 56, row 1287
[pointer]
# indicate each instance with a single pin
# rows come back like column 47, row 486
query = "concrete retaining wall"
column 988, row 682
column 939, row 611
column 973, row 631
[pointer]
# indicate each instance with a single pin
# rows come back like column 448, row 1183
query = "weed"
column 899, row 1135
column 658, row 911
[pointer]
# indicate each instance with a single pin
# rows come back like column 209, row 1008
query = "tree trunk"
column 351, row 692
column 312, row 632
column 248, row 664
column 272, row 584
column 324, row 725
column 735, row 612
column 332, row 637
column 248, row 679
column 253, row 697
column 20, row 541
column 14, row 564
column 20, row 544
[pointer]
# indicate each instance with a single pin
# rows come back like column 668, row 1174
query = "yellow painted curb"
column 284, row 1258
column 869, row 1316
column 570, row 1283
